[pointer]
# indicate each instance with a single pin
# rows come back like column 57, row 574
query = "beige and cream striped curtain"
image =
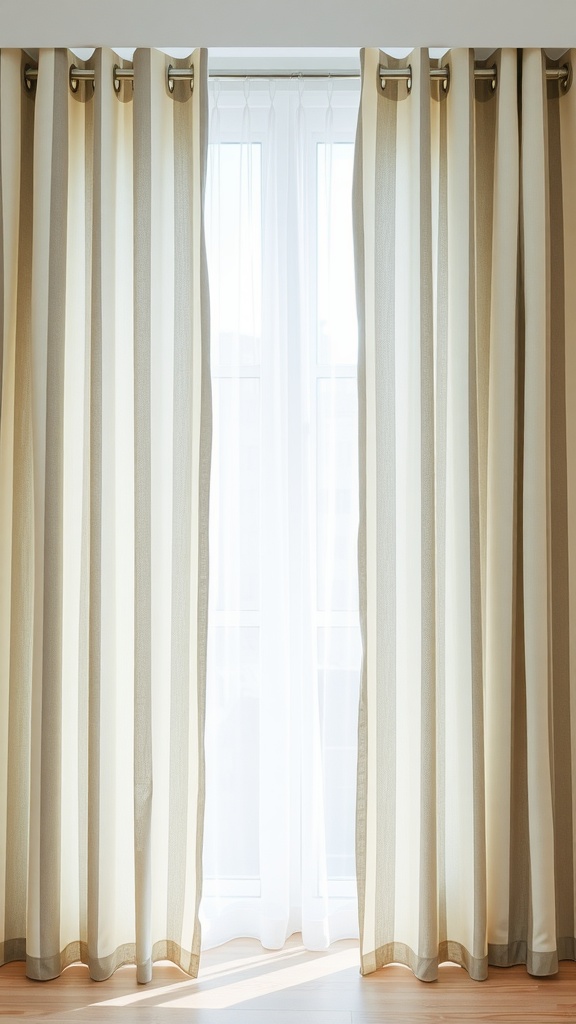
column 104, row 473
column 465, row 222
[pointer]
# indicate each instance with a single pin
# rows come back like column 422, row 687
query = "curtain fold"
column 464, row 221
column 104, row 476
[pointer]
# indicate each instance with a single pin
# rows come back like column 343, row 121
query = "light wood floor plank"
column 240, row 983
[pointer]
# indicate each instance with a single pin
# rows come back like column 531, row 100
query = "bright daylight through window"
column 284, row 644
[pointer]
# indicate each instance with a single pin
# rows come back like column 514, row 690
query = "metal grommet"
column 494, row 81
column 29, row 82
column 409, row 80
column 446, row 81
column 566, row 81
column 192, row 79
column 116, row 81
column 73, row 82
column 169, row 81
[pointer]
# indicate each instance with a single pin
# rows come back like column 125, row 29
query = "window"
column 284, row 645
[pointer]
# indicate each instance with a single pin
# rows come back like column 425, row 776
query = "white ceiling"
column 294, row 23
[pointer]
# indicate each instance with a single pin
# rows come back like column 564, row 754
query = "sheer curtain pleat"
column 464, row 223
column 284, row 648
column 104, row 470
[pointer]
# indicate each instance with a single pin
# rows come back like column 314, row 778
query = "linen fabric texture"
column 104, row 474
column 465, row 236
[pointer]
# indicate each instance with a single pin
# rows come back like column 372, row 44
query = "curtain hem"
column 540, row 964
column 425, row 968
column 100, row 968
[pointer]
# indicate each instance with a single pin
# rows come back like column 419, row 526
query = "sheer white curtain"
column 284, row 646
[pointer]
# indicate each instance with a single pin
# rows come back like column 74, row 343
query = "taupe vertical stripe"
column 385, row 432
column 18, row 754
column 183, row 687
column 477, row 676
column 519, row 867
column 485, row 107
column 95, row 524
column 441, row 413
column 428, row 883
column 1, row 258
column 560, row 594
column 205, row 453
column 142, row 513
column 520, row 914
column 500, row 155
column 85, row 742
column 566, row 102
column 51, row 743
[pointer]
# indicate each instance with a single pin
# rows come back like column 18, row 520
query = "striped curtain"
column 465, row 226
column 104, row 472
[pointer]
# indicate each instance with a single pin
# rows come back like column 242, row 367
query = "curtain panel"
column 465, row 226
column 104, row 473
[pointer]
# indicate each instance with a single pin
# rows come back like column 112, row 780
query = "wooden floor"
column 240, row 983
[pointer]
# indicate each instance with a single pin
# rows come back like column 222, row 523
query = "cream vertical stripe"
column 380, row 499
column 90, row 700
column 201, row 433
column 364, row 213
column 184, row 403
column 48, row 355
column 536, row 471
column 109, row 358
column 192, row 433
column 376, row 220
column 500, row 498
column 463, row 627
column 428, row 923
column 401, row 336
column 104, row 482
column 143, row 287
column 438, row 140
column 16, row 506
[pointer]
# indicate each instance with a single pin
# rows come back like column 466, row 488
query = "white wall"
column 350, row 23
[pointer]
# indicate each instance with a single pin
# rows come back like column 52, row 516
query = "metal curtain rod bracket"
column 187, row 75
column 561, row 74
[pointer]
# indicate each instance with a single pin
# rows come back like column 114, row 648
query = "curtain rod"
column 173, row 74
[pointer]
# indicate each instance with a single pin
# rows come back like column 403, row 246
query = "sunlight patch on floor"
column 218, row 987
